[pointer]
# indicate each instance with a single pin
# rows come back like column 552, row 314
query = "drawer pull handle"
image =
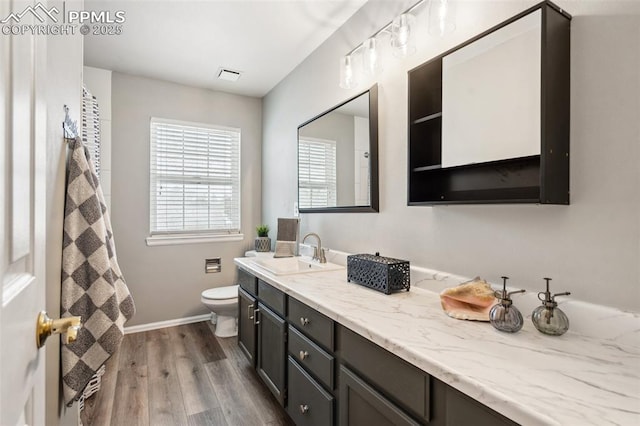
column 256, row 321
column 304, row 408
column 250, row 311
column 304, row 321
column 304, row 355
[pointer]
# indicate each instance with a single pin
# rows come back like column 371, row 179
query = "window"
column 317, row 173
column 195, row 179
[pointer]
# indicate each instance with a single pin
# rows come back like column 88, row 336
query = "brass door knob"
column 46, row 326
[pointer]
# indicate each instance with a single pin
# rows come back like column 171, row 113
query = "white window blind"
column 316, row 173
column 195, row 178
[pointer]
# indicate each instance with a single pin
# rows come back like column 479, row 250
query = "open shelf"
column 540, row 178
column 425, row 168
column 513, row 180
column 427, row 118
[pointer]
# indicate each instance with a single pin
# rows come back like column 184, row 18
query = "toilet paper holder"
column 212, row 265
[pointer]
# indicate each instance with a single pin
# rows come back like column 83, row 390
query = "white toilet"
column 223, row 303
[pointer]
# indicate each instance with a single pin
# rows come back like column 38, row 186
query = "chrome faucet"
column 318, row 251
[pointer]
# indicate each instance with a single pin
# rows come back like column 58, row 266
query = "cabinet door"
column 463, row 410
column 360, row 404
column 246, row 326
column 272, row 351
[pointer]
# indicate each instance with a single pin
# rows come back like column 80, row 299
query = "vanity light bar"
column 441, row 21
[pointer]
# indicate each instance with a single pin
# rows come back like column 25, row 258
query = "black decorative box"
column 379, row 273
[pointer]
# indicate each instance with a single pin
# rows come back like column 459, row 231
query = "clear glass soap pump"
column 547, row 318
column 504, row 316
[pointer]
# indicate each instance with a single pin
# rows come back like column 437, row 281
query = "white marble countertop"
column 531, row 378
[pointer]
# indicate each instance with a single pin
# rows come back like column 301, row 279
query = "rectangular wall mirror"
column 338, row 158
column 491, row 96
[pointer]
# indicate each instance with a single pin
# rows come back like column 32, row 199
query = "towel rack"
column 69, row 127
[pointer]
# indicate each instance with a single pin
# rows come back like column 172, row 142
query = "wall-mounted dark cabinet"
column 482, row 132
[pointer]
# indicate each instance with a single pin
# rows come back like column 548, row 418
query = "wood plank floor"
column 181, row 376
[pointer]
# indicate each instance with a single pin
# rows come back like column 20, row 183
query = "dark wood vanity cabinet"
column 262, row 331
column 377, row 387
column 539, row 175
column 325, row 374
column 246, row 325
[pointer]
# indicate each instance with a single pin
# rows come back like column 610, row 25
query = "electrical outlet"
column 296, row 211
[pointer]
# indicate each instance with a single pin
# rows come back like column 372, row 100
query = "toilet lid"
column 221, row 293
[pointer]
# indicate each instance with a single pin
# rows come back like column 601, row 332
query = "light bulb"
column 401, row 39
column 347, row 73
column 442, row 17
column 371, row 57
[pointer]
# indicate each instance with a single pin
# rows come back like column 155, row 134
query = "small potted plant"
column 263, row 242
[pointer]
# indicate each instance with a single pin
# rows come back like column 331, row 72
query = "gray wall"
column 591, row 248
column 166, row 281
column 339, row 128
column 64, row 87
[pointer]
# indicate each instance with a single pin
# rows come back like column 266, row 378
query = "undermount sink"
column 294, row 265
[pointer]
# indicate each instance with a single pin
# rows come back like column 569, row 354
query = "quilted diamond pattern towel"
column 92, row 284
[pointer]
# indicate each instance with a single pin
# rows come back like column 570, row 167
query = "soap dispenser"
column 504, row 316
column 547, row 318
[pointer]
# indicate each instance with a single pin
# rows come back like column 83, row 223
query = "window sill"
column 175, row 239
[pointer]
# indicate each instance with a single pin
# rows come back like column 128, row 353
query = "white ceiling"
column 186, row 41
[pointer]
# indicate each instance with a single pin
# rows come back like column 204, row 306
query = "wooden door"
column 22, row 219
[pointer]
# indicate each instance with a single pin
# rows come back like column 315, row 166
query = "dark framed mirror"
column 338, row 158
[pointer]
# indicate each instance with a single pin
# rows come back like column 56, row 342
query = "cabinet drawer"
column 272, row 297
column 311, row 356
column 248, row 282
column 362, row 405
column 312, row 323
column 308, row 403
column 401, row 382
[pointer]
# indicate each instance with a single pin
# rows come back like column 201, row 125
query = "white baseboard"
column 165, row 324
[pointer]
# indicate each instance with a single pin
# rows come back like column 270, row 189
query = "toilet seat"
column 221, row 293
column 223, row 304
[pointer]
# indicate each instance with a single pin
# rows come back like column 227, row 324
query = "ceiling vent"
column 228, row 75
